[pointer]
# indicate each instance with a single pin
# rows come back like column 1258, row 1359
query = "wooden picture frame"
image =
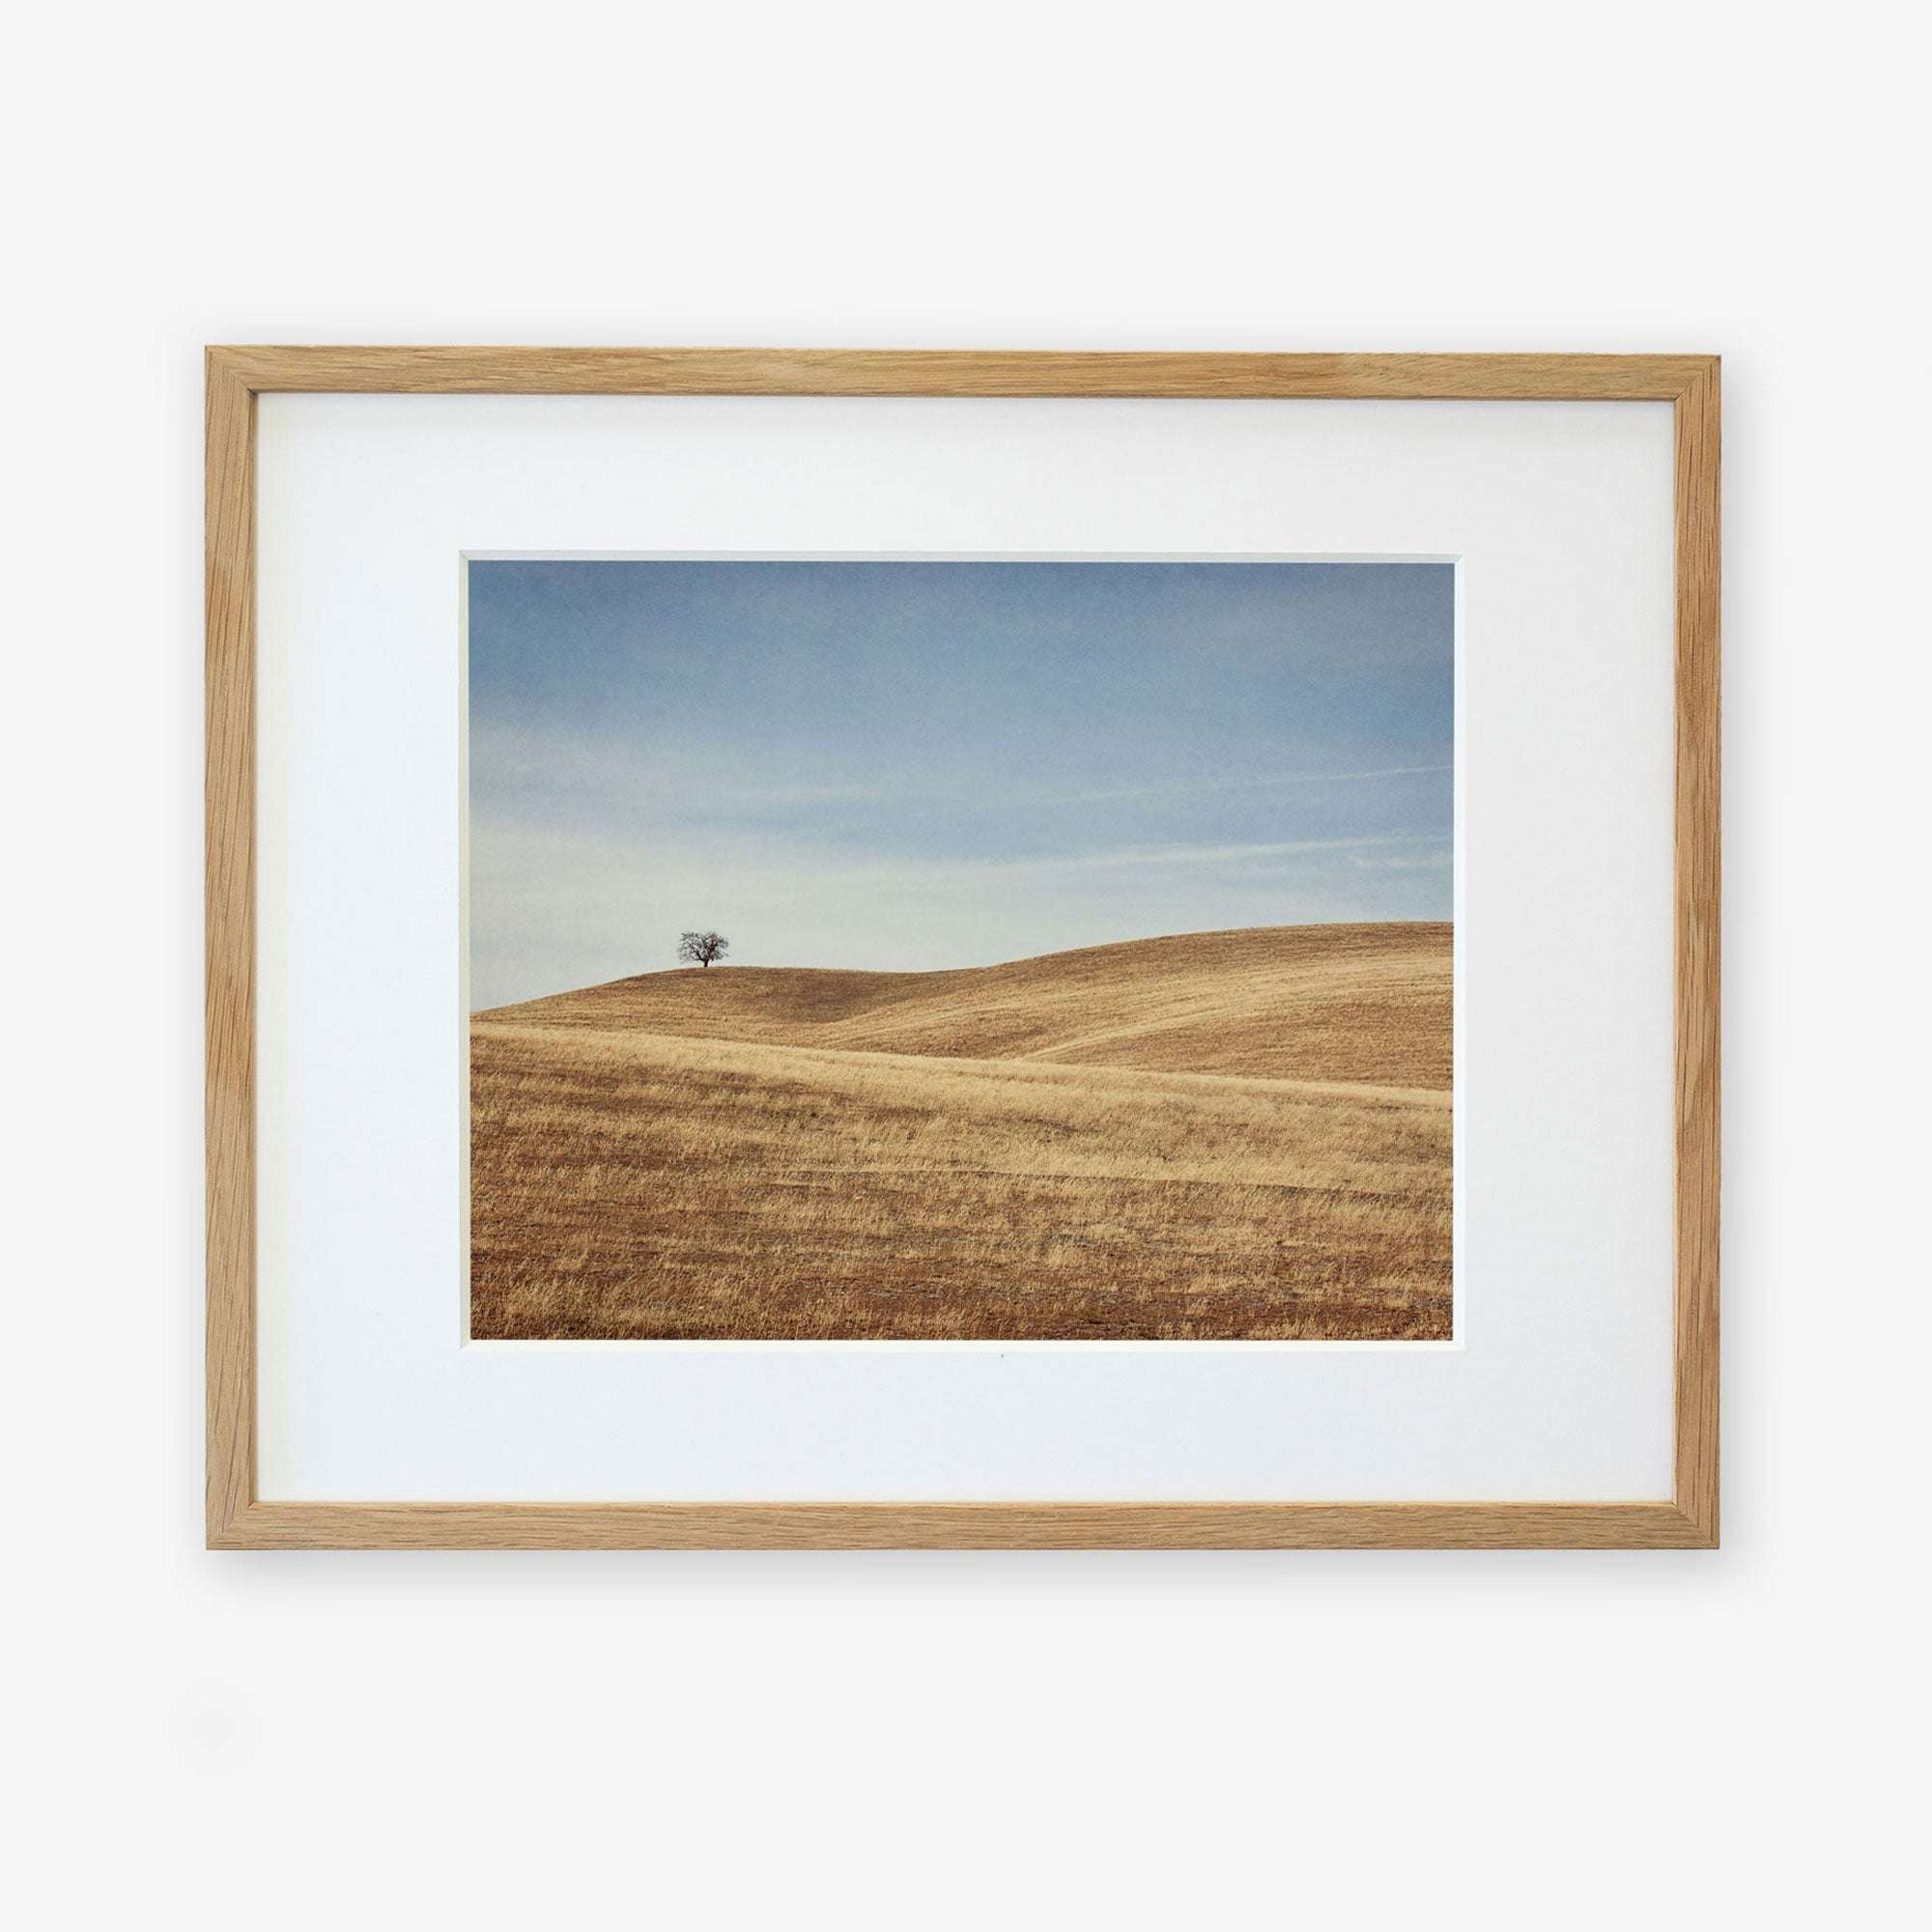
column 238, row 1518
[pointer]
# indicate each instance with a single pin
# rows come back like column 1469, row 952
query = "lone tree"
column 701, row 949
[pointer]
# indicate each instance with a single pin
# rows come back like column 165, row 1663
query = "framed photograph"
column 859, row 949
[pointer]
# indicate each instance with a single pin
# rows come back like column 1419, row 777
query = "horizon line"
column 941, row 972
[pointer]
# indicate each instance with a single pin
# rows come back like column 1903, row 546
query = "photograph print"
column 947, row 949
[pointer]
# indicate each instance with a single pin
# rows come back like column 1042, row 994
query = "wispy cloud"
column 1396, row 861
column 738, row 852
column 1194, row 858
column 1192, row 788
column 557, row 764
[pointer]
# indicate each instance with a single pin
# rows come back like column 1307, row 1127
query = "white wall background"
column 938, row 1740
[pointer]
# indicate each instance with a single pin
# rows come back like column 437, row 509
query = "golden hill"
column 1353, row 1002
column 1228, row 1135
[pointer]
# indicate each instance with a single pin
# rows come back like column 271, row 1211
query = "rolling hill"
column 1354, row 1002
column 1232, row 1134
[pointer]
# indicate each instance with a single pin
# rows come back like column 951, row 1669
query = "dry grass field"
column 1218, row 1135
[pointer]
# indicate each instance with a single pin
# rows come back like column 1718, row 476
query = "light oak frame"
column 238, row 1518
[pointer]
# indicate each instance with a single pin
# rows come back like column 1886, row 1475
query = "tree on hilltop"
column 701, row 949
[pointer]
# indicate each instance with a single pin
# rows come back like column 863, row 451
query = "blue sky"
column 922, row 764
